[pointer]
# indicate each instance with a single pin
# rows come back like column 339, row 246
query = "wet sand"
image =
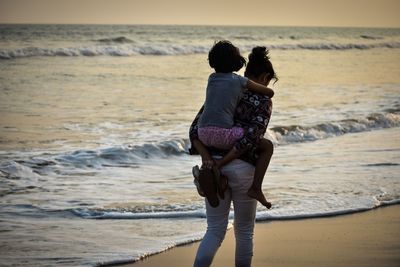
column 370, row 238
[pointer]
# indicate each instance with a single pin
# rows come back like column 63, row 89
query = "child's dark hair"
column 225, row 57
column 259, row 63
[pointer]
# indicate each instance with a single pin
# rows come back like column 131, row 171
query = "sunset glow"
column 354, row 13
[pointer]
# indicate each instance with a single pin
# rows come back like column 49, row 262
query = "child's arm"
column 232, row 154
column 259, row 88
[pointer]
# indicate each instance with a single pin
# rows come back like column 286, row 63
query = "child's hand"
column 207, row 163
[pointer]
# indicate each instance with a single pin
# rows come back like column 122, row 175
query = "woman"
column 253, row 114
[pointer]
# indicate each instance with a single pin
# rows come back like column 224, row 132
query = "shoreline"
column 364, row 238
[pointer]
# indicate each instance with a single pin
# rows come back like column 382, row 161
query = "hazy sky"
column 360, row 13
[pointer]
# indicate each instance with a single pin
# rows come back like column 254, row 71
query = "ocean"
column 94, row 163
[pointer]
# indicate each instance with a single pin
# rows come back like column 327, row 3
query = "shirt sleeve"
column 243, row 81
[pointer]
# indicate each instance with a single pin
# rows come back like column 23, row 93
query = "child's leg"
column 266, row 149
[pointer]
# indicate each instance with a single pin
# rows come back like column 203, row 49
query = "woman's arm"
column 259, row 88
column 197, row 147
column 206, row 159
column 193, row 132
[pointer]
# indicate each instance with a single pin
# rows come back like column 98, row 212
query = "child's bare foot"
column 259, row 195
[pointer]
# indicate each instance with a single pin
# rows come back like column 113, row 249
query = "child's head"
column 259, row 64
column 225, row 57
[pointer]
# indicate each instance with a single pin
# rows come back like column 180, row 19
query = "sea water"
column 94, row 163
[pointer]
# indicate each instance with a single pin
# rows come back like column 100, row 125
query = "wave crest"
column 119, row 47
column 124, row 156
column 120, row 40
column 298, row 133
column 132, row 156
column 200, row 213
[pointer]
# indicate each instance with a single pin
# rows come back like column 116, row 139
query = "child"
column 224, row 90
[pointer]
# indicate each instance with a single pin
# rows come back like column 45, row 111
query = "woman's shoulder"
column 249, row 95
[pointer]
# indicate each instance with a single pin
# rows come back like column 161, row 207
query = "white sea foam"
column 282, row 135
column 123, row 155
column 113, row 214
column 129, row 155
column 184, row 240
column 286, row 213
column 19, row 173
column 171, row 49
column 298, row 133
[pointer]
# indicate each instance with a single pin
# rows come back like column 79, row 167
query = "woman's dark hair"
column 225, row 57
column 259, row 63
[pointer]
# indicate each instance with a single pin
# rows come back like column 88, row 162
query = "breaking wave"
column 200, row 212
column 121, row 46
column 128, row 155
column 134, row 155
column 298, row 133
column 370, row 37
column 120, row 40
column 123, row 156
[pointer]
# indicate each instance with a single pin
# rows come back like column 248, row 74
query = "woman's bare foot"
column 259, row 195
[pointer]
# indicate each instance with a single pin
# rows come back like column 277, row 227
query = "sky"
column 342, row 13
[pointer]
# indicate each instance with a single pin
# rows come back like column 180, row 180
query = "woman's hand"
column 206, row 159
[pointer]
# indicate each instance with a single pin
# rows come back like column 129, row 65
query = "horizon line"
column 211, row 25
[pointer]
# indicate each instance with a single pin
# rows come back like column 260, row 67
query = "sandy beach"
column 369, row 238
column 94, row 149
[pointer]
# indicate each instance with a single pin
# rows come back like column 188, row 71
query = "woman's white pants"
column 240, row 177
